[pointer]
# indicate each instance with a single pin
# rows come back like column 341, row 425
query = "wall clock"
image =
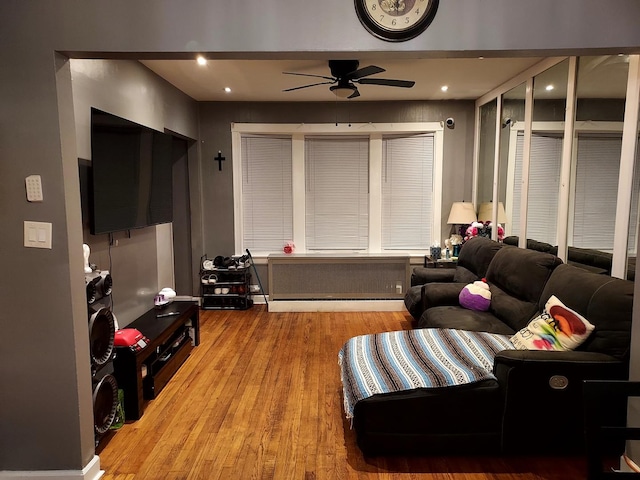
column 396, row 20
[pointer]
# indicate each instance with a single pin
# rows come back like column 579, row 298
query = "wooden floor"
column 260, row 398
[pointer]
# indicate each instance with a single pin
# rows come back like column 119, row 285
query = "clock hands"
column 391, row 6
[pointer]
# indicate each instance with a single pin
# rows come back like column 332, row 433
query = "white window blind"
column 635, row 198
column 267, row 204
column 517, row 186
column 544, row 187
column 337, row 193
column 596, row 191
column 407, row 192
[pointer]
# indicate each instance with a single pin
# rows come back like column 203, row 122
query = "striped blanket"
column 422, row 358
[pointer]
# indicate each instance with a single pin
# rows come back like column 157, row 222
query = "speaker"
column 102, row 332
column 102, row 327
column 98, row 285
column 105, row 400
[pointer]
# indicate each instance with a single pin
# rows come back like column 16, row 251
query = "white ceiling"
column 263, row 80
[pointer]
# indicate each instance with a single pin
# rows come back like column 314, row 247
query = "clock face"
column 396, row 20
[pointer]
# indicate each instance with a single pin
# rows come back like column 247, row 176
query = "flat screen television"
column 131, row 175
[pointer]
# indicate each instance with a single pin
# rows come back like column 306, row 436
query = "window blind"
column 267, row 195
column 544, row 187
column 635, row 198
column 596, row 191
column 337, row 193
column 517, row 186
column 407, row 191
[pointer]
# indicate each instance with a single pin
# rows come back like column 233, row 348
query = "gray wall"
column 140, row 260
column 46, row 421
column 216, row 119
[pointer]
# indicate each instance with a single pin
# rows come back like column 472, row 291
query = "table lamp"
column 485, row 212
column 462, row 214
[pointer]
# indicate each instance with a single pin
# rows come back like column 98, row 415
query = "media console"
column 172, row 331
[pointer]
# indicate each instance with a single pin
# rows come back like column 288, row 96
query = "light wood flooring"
column 260, row 398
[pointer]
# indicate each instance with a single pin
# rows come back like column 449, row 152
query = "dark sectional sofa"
column 472, row 265
column 535, row 402
column 589, row 259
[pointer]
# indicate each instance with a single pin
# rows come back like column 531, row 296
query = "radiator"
column 338, row 277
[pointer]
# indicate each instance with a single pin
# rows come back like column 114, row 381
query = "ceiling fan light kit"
column 343, row 91
column 345, row 74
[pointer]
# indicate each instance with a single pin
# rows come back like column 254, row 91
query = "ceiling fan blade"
column 387, row 82
column 365, row 72
column 309, row 75
column 355, row 94
column 307, row 86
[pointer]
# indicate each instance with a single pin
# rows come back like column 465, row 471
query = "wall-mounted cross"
column 219, row 159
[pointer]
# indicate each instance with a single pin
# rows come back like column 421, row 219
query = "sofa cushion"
column 591, row 257
column 510, row 309
column 532, row 244
column 541, row 246
column 462, row 319
column 511, row 240
column 413, row 301
column 517, row 278
column 464, row 275
column 474, row 259
column 422, row 275
column 605, row 301
column 556, row 328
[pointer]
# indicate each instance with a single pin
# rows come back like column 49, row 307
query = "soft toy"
column 476, row 296
column 483, row 230
column 473, row 230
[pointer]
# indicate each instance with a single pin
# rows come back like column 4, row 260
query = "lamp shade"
column 462, row 213
column 485, row 212
column 343, row 91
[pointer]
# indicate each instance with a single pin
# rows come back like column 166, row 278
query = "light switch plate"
column 37, row 234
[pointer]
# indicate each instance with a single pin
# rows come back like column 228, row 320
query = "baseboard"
column 336, row 306
column 90, row 472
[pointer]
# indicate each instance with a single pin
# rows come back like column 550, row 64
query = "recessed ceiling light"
column 201, row 60
column 227, row 89
column 548, row 88
column 444, row 88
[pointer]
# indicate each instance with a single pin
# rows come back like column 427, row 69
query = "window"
column 407, row 192
column 596, row 192
column 595, row 177
column 362, row 187
column 635, row 198
column 544, row 187
column 267, row 200
column 337, row 193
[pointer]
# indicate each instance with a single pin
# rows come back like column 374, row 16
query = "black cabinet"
column 226, row 288
column 172, row 331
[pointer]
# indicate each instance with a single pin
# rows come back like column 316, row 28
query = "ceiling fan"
column 345, row 74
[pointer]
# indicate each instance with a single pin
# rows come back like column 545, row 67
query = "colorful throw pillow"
column 476, row 296
column 557, row 328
